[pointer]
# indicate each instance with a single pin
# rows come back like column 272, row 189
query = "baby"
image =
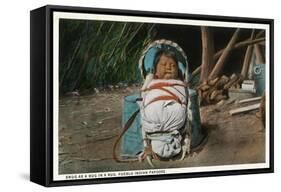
column 163, row 109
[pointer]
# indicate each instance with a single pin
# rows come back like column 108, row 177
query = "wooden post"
column 207, row 52
column 259, row 55
column 219, row 65
column 247, row 58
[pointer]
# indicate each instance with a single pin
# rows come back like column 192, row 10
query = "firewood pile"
column 215, row 90
column 213, row 86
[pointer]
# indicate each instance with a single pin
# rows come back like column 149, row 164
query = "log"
column 207, row 52
column 244, row 109
column 221, row 82
column 235, row 85
column 216, row 90
column 233, row 77
column 233, row 80
column 213, row 81
column 230, row 85
column 205, row 94
column 250, row 100
column 247, row 58
column 220, row 97
column 202, row 84
column 204, row 87
column 215, row 93
column 220, row 63
column 220, row 103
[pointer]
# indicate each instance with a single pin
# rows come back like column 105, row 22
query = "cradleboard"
column 131, row 138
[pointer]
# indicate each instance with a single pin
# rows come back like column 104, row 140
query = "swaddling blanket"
column 164, row 117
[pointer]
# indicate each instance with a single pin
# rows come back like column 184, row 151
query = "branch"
column 236, row 46
column 241, row 44
column 220, row 63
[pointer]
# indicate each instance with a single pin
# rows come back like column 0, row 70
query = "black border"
column 41, row 54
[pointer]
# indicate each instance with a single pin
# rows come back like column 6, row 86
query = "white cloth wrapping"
column 166, row 144
column 164, row 116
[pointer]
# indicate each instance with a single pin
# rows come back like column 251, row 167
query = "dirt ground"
column 89, row 125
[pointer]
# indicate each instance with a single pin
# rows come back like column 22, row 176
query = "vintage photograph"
column 144, row 95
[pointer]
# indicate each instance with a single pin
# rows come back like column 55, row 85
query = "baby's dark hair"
column 167, row 53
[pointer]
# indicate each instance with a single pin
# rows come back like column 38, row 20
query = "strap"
column 172, row 96
column 161, row 86
column 126, row 127
column 163, row 97
column 164, row 84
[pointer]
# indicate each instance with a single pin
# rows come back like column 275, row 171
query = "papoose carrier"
column 137, row 142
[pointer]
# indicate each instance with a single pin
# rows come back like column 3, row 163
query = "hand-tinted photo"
column 156, row 96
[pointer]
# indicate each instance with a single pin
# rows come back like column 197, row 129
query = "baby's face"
column 166, row 68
